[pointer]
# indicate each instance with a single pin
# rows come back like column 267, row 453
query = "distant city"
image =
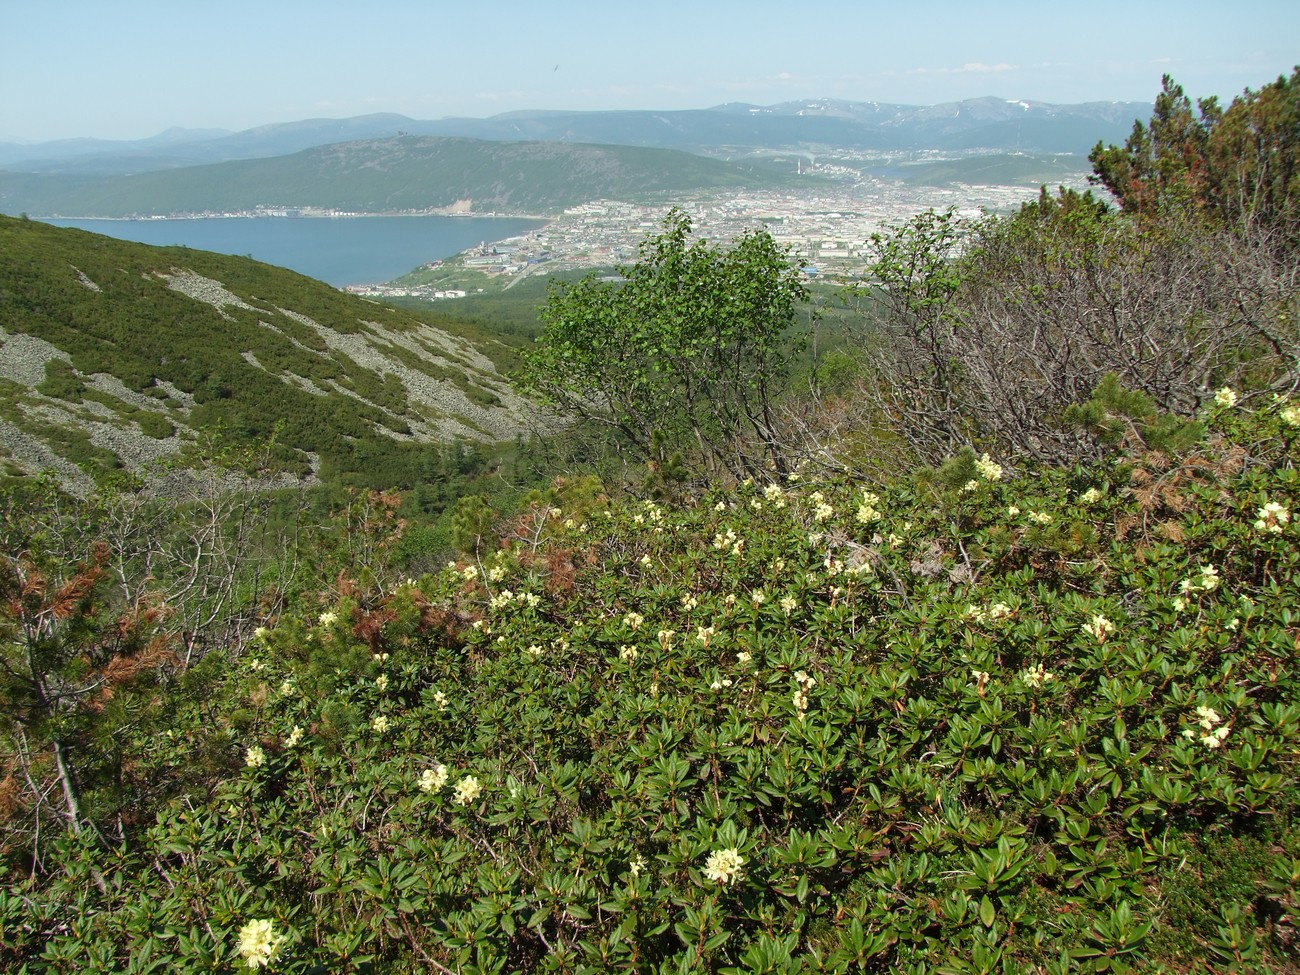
column 827, row 231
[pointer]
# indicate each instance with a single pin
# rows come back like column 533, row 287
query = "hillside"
column 390, row 175
column 1040, row 725
column 116, row 355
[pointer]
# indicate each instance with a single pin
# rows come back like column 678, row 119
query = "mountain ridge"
column 406, row 173
column 1042, row 126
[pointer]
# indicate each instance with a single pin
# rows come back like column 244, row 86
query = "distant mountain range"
column 390, row 175
column 820, row 124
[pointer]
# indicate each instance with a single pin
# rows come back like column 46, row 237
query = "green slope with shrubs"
column 1035, row 724
column 118, row 355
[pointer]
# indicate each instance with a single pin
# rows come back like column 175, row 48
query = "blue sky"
column 132, row 68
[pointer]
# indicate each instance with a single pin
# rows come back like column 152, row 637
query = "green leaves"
column 686, row 355
column 705, row 740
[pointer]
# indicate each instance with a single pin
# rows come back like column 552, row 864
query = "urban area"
column 828, row 232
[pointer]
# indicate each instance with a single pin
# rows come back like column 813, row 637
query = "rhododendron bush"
column 1046, row 724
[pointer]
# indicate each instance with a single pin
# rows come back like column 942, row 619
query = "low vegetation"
column 966, row 655
column 1035, row 724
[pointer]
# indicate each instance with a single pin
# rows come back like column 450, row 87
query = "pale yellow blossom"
column 988, row 469
column 258, row 943
column 724, row 866
column 467, row 790
column 1099, row 628
column 1272, row 518
column 434, row 778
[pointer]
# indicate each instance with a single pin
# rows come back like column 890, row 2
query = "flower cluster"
column 988, row 469
column 433, row 779
column 995, row 612
column 1207, row 581
column 1214, row 731
column 1225, row 397
column 633, row 621
column 1091, row 496
column 1272, row 518
column 254, row 757
column 258, row 942
column 806, row 683
column 379, row 724
column 1036, row 676
column 868, row 512
column 1099, row 628
column 724, row 866
column 728, row 540
column 505, row 597
column 467, row 790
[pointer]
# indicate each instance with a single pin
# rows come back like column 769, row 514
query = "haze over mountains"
column 991, row 123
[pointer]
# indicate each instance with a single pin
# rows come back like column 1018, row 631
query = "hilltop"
column 116, row 355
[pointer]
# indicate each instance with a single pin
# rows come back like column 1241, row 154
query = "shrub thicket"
column 1035, row 724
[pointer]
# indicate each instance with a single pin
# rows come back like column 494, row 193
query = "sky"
column 128, row 69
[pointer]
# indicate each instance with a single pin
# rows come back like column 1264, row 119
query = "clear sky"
column 126, row 69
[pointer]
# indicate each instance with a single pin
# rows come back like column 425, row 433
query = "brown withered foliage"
column 1161, row 484
column 11, row 797
column 370, row 627
column 560, row 570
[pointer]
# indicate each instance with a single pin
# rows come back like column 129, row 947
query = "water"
column 338, row 250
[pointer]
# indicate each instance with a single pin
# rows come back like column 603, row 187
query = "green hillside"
column 1044, row 725
column 117, row 355
column 380, row 176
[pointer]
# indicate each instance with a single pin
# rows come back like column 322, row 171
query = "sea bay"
column 337, row 250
